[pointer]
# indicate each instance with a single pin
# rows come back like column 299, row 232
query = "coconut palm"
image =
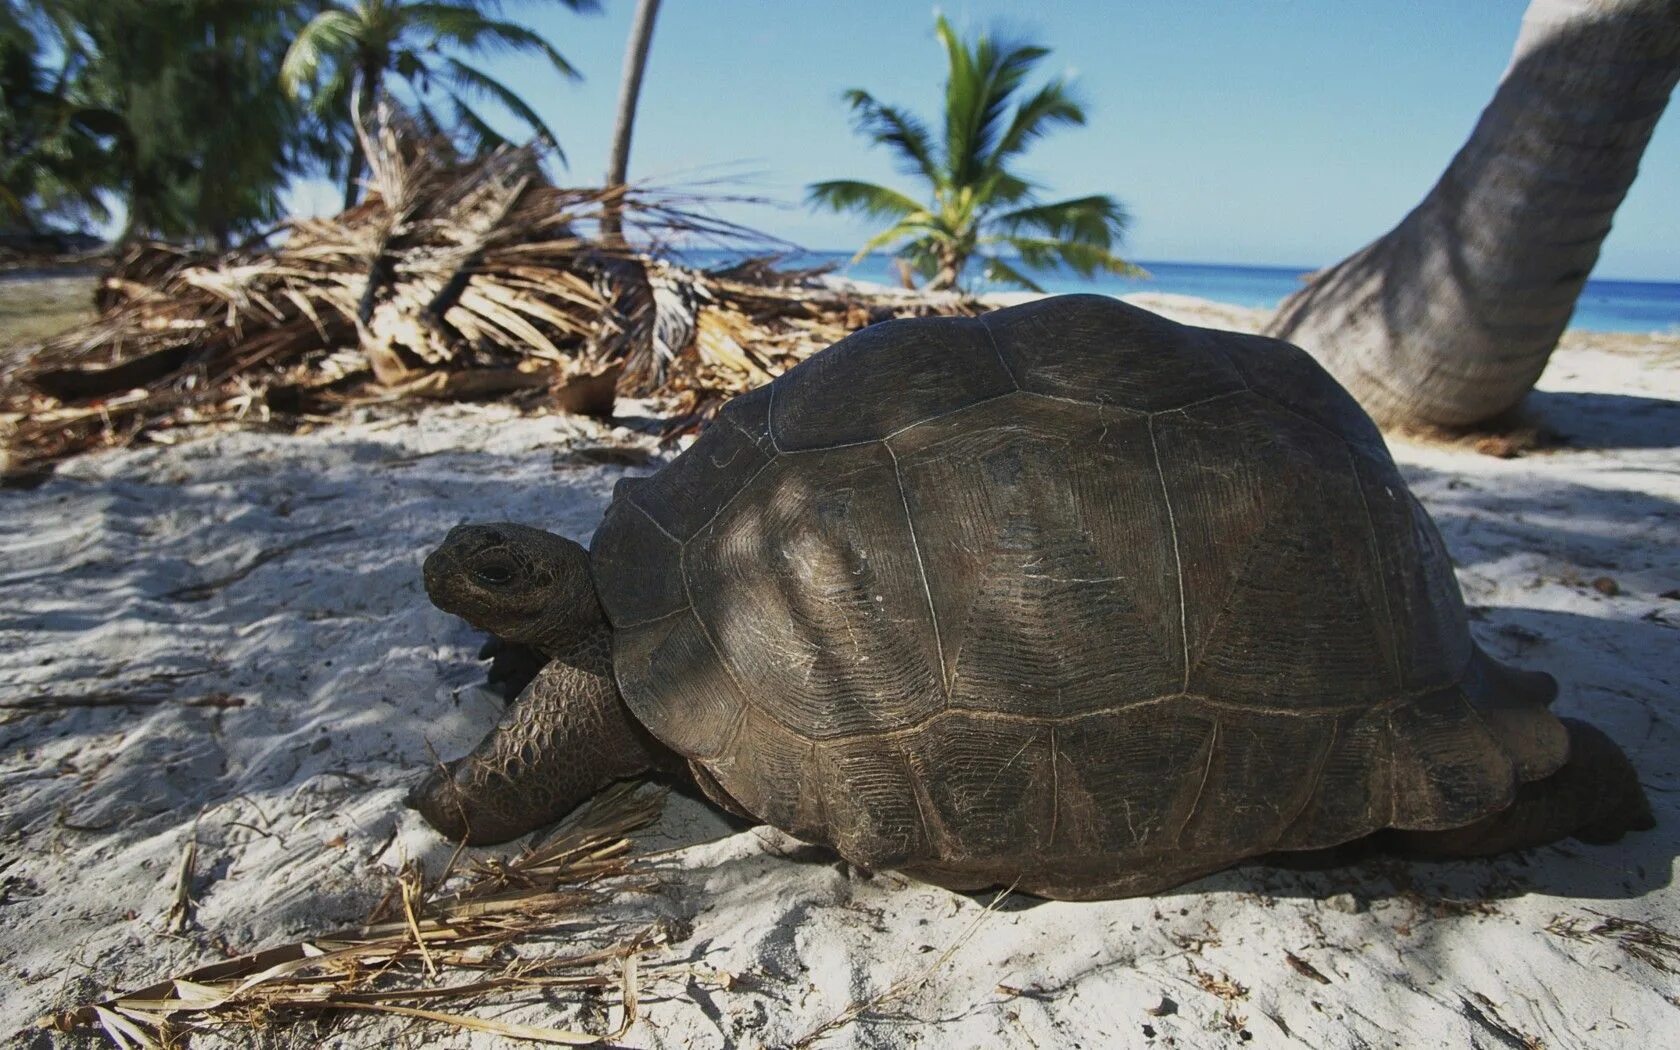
column 976, row 206
column 352, row 47
column 1450, row 317
column 630, row 89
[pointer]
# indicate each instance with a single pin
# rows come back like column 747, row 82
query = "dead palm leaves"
column 452, row 280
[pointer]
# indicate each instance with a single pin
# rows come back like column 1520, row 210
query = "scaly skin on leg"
column 1595, row 797
column 565, row 738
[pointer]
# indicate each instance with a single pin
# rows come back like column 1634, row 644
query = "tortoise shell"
column 1068, row 596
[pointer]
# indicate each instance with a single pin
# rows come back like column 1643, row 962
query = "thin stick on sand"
column 561, row 887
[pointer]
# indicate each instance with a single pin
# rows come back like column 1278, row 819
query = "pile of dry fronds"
column 453, row 279
column 415, row 950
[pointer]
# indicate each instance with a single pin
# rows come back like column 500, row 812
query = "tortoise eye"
column 495, row 574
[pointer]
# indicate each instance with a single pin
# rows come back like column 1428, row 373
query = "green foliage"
column 210, row 144
column 52, row 157
column 979, row 209
column 174, row 107
column 169, row 106
column 352, row 48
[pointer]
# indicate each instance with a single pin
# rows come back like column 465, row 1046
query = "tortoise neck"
column 589, row 650
column 583, row 640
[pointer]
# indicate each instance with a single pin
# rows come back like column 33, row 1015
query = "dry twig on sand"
column 1650, row 944
column 403, row 960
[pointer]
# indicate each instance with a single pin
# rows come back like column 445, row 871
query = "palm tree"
column 191, row 135
column 978, row 205
column 630, row 89
column 53, row 145
column 1450, row 317
column 351, row 48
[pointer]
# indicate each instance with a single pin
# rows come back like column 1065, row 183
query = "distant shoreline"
column 1302, row 270
column 1218, row 313
column 1610, row 307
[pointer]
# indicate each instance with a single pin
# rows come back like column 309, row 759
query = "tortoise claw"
column 440, row 802
column 469, row 809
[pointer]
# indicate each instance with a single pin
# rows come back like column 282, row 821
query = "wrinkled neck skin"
column 578, row 633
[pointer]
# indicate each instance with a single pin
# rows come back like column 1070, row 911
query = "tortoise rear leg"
column 1594, row 797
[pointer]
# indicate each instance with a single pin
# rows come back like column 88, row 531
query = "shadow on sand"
column 1588, row 420
column 323, row 718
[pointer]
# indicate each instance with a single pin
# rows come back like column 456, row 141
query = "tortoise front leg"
column 566, row 737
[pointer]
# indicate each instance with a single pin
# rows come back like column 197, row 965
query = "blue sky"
column 1279, row 132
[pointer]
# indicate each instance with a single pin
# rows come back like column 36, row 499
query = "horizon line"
column 1303, row 270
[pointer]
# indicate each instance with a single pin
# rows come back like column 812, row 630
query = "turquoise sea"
column 1605, row 306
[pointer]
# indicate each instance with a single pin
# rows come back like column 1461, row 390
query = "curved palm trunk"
column 353, row 171
column 1449, row 318
column 363, row 105
column 630, row 89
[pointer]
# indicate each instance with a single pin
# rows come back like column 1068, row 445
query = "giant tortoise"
column 1068, row 597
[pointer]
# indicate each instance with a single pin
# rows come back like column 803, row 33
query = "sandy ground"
column 228, row 639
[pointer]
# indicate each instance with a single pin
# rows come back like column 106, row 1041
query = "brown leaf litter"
column 453, row 279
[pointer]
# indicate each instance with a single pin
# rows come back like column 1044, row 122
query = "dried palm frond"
column 453, row 279
column 418, row 951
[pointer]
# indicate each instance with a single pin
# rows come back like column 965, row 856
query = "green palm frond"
column 333, row 94
column 415, row 43
column 998, row 271
column 1098, row 220
column 484, row 137
column 897, row 130
column 886, row 238
column 864, row 198
column 410, row 66
column 920, row 235
column 1003, row 79
column 476, row 82
column 455, row 22
column 1043, row 253
column 978, row 88
column 1052, row 106
column 327, row 38
column 472, row 31
column 426, row 117
column 974, row 199
column 1000, row 189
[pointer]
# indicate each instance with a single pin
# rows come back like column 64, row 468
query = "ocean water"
column 1604, row 306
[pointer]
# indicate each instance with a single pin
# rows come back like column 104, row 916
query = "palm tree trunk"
column 630, row 89
column 952, row 261
column 1450, row 317
column 353, row 173
column 364, row 104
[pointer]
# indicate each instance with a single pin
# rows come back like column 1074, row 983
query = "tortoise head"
column 519, row 583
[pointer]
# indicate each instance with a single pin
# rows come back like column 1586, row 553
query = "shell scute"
column 812, row 588
column 1285, row 597
column 1097, row 349
column 1053, row 588
column 904, row 371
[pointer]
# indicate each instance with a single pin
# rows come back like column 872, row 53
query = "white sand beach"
column 227, row 640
